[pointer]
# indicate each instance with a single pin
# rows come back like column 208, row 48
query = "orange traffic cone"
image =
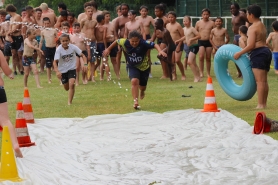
column 27, row 107
column 23, row 137
column 263, row 124
column 210, row 102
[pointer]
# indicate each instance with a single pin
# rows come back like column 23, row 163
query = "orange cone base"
column 212, row 108
column 259, row 123
column 30, row 121
column 27, row 144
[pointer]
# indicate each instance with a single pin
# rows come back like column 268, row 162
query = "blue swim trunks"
column 275, row 58
column 27, row 61
column 38, row 39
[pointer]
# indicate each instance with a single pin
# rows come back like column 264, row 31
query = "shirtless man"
column 23, row 13
column 3, row 14
column 204, row 27
column 219, row 35
column 96, row 12
column 238, row 19
column 190, row 38
column 28, row 20
column 8, row 39
column 159, row 11
column 260, row 55
column 38, row 18
column 15, row 33
column 63, row 17
column 50, row 14
column 110, row 38
column 133, row 24
column 77, row 38
column 101, row 35
column 49, row 35
column 83, row 15
column 61, row 7
column 176, row 32
column 119, row 25
column 147, row 21
column 88, row 28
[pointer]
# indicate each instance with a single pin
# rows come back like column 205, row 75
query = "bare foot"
column 93, row 80
column 49, row 81
column 101, row 79
column 163, row 77
column 260, row 107
column 174, row 77
column 197, row 80
column 18, row 153
column 39, row 87
column 69, row 103
column 76, row 84
column 142, row 95
column 85, row 82
column 183, row 77
column 201, row 75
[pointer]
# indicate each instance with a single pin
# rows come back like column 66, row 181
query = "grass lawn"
column 105, row 97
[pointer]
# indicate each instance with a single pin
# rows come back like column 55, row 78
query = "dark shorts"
column 114, row 50
column 100, row 49
column 49, row 56
column 38, row 39
column 17, row 42
column 260, row 58
column 159, row 40
column 3, row 97
column 218, row 46
column 275, row 59
column 7, row 49
column 194, row 48
column 84, row 53
column 148, row 36
column 66, row 76
column 236, row 38
column 186, row 50
column 181, row 47
column 27, row 61
column 205, row 43
column 143, row 76
column 93, row 50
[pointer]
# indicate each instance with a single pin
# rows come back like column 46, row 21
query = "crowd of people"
column 72, row 45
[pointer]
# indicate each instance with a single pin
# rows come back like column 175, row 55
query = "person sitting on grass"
column 135, row 50
column 4, row 116
column 66, row 71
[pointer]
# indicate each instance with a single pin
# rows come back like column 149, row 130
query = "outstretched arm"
column 108, row 50
column 5, row 67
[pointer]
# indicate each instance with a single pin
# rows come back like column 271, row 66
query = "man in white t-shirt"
column 66, row 71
